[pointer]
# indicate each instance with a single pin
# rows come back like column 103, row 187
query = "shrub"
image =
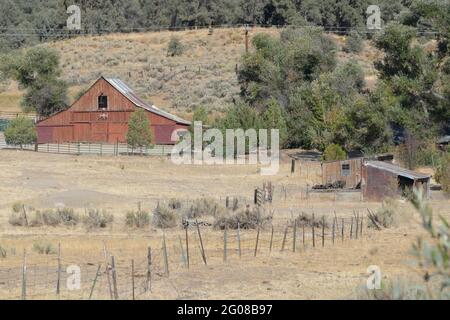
column 68, row 216
column 174, row 204
column 354, row 42
column 334, row 152
column 44, row 248
column 164, row 217
column 175, row 47
column 307, row 220
column 17, row 207
column 36, row 220
column 442, row 175
column 139, row 133
column 247, row 219
column 138, row 219
column 387, row 216
column 17, row 220
column 203, row 207
column 50, row 218
column 95, row 219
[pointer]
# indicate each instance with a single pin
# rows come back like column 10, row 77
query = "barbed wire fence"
column 60, row 276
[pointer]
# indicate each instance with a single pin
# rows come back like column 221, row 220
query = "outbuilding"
column 102, row 113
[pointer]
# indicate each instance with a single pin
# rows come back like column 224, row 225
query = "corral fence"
column 108, row 276
column 107, row 149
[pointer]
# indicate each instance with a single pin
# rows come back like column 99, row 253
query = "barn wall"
column 332, row 171
column 83, row 122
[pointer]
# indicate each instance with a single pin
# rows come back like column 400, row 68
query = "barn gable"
column 101, row 114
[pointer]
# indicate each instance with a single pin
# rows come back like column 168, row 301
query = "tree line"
column 25, row 22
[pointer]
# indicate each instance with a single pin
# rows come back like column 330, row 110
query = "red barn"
column 102, row 114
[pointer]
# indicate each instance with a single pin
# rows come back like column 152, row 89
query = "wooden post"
column 201, row 242
column 292, row 165
column 107, row 272
column 271, row 241
column 323, row 231
column 132, row 278
column 334, row 227
column 225, row 244
column 95, row 281
column 284, row 238
column 25, row 215
column 246, row 39
column 58, row 281
column 239, row 239
column 351, row 228
column 24, row 275
column 149, row 269
column 313, row 232
column 294, row 235
column 303, row 234
column 361, row 228
column 183, row 256
column 114, row 278
column 257, row 240
column 357, row 226
column 342, row 230
column 166, row 258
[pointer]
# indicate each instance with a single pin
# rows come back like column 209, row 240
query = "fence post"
column 257, row 240
column 342, row 230
column 107, row 272
column 239, row 239
column 114, row 277
column 361, row 226
column 166, row 258
column 149, row 269
column 225, row 244
column 95, row 281
column 271, row 240
column 323, row 231
column 357, row 225
column 101, row 149
column 132, row 277
column 294, row 235
column 313, row 232
column 334, row 227
column 183, row 256
column 201, row 242
column 58, row 281
column 351, row 228
column 303, row 235
column 292, row 165
column 187, row 245
column 24, row 275
column 284, row 238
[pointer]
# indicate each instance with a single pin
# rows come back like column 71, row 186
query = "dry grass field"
column 118, row 184
column 203, row 75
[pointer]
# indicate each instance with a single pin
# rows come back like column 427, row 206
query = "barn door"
column 100, row 132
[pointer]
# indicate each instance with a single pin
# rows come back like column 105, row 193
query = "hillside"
column 203, row 75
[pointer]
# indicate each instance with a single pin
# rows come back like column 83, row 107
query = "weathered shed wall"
column 332, row 171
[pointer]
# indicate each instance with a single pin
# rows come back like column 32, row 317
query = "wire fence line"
column 118, row 275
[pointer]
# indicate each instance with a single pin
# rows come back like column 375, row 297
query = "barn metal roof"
column 127, row 92
column 397, row 170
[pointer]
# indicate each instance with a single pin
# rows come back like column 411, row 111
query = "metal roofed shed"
column 382, row 179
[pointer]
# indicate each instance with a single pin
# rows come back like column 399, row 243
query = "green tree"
column 20, row 131
column 273, row 118
column 139, row 132
column 38, row 71
column 334, row 152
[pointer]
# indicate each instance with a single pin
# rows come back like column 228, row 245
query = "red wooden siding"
column 84, row 122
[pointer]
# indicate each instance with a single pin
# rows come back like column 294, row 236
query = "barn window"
column 103, row 102
column 345, row 169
